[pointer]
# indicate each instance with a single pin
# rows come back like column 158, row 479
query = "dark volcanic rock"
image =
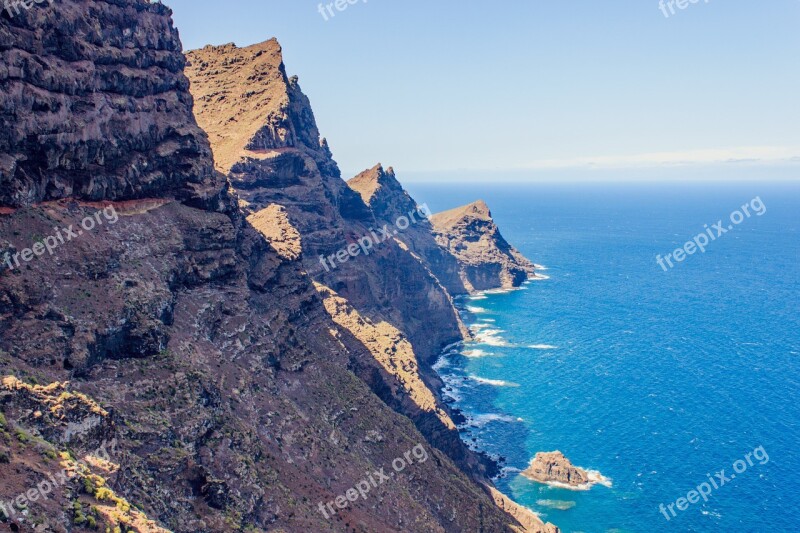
column 193, row 341
column 94, row 104
column 389, row 201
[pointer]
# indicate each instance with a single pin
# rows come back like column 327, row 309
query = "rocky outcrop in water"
column 487, row 260
column 553, row 467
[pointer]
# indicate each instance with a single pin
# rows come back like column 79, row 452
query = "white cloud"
column 753, row 155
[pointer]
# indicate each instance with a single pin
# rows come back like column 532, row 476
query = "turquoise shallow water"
column 654, row 378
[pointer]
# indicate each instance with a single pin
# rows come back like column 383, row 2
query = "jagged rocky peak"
column 381, row 191
column 263, row 131
column 248, row 105
column 487, row 260
column 370, row 181
column 109, row 119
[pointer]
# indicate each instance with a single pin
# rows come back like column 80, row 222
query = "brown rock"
column 553, row 467
column 389, row 201
column 487, row 260
column 194, row 339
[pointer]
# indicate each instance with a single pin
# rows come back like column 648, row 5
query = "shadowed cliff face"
column 101, row 71
column 265, row 129
column 388, row 200
column 192, row 340
column 386, row 298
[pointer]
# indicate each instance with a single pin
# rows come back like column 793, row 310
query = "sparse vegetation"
column 22, row 436
column 88, row 486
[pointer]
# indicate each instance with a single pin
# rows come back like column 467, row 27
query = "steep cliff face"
column 182, row 354
column 74, row 75
column 263, row 125
column 265, row 129
column 486, row 259
column 389, row 201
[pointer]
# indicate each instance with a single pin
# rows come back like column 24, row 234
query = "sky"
column 534, row 89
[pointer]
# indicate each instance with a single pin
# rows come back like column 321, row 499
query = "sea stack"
column 553, row 467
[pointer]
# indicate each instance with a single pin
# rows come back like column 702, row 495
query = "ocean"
column 657, row 379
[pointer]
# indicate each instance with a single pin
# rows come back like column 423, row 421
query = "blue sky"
column 531, row 89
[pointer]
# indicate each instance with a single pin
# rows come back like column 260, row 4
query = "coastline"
column 483, row 333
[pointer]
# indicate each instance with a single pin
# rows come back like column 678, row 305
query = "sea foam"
column 493, row 382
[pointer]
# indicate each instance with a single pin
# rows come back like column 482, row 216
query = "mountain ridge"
column 195, row 339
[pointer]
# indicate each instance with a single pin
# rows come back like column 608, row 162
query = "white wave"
column 476, row 354
column 484, row 419
column 441, row 363
column 476, row 310
column 542, row 347
column 539, row 277
column 493, row 382
column 478, row 296
column 505, row 471
column 497, row 291
column 491, row 320
column 451, row 347
column 452, row 388
column 491, row 337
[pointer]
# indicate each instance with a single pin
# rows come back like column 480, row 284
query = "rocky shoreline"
column 241, row 386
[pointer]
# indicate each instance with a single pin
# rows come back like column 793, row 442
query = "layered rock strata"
column 190, row 337
column 77, row 75
column 486, row 259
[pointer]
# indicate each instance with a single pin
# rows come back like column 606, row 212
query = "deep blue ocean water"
column 654, row 378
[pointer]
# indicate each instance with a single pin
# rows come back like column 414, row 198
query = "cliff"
column 72, row 79
column 176, row 365
column 383, row 296
column 263, row 126
column 389, row 201
column 487, row 260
